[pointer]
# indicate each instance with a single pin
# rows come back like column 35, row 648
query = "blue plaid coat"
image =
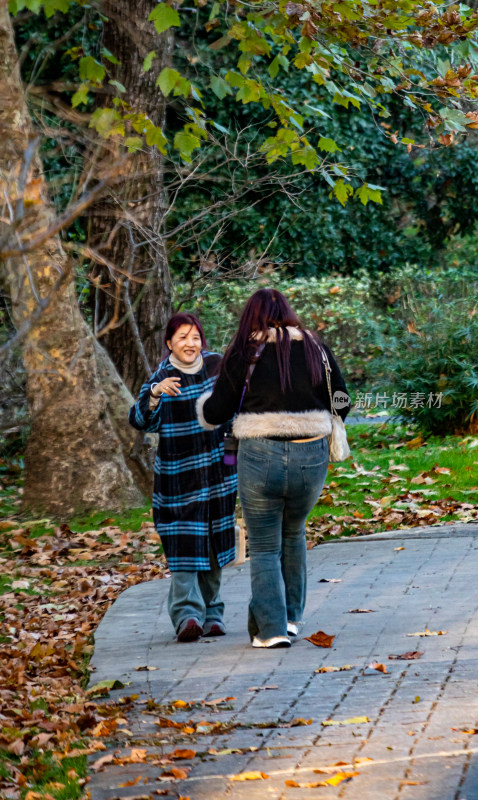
column 194, row 492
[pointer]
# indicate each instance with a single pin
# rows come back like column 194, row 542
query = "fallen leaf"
column 165, row 722
column 399, row 548
column 339, row 777
column 130, row 783
column 218, row 701
column 361, row 611
column 309, row 785
column 321, row 639
column 363, row 760
column 100, row 762
column 262, row 688
column 178, row 753
column 104, row 687
column 334, row 669
column 377, row 666
column 408, row 656
column 176, row 772
column 351, row 721
column 249, row 776
column 330, row 580
column 146, row 669
column 180, row 704
column 426, row 632
column 413, row 783
column 16, row 747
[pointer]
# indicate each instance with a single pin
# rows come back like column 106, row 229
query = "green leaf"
column 81, row 95
column 250, row 92
column 107, row 122
column 91, row 70
column 119, row 86
column 148, row 61
column 50, row 6
column 186, row 143
column 134, row 143
column 328, row 145
column 368, row 192
column 164, row 17
column 169, row 79
column 109, row 55
column 306, row 156
column 342, row 191
column 155, row 137
column 220, row 128
column 454, row 119
column 220, row 87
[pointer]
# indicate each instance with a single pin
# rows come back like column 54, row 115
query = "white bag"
column 339, row 448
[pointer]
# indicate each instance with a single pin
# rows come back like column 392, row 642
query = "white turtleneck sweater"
column 189, row 369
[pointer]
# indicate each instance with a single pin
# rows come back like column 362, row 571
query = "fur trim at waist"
column 289, row 424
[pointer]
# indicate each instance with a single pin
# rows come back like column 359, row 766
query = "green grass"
column 50, row 775
column 382, row 446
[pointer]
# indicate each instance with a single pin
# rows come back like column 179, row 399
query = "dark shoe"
column 189, row 630
column 214, row 627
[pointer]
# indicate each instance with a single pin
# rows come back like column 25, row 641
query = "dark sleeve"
column 140, row 415
column 337, row 382
column 224, row 401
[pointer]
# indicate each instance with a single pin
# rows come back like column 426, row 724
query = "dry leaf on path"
column 130, row 783
column 176, row 772
column 179, row 753
column 398, row 548
column 335, row 669
column 426, row 632
column 350, row 721
column 408, row 656
column 321, row 639
column 361, row 611
column 330, row 580
column 375, row 665
column 262, row 688
column 249, row 776
column 146, row 669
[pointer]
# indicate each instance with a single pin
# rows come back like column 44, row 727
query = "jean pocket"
column 253, row 468
column 313, row 476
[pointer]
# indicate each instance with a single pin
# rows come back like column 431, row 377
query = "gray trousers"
column 196, row 594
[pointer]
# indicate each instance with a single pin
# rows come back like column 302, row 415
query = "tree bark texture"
column 77, row 455
column 126, row 226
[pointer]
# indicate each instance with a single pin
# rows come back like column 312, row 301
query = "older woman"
column 194, row 492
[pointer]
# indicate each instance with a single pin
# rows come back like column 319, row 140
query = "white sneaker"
column 292, row 629
column 275, row 641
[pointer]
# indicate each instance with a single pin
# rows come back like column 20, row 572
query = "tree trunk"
column 126, row 227
column 77, row 456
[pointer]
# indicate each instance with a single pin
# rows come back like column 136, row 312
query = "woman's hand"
column 169, row 386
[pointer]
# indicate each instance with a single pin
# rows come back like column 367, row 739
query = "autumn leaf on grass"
column 408, row 656
column 249, row 776
column 350, row 721
column 321, row 639
column 426, row 632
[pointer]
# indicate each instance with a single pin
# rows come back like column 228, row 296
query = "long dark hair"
column 265, row 309
column 182, row 318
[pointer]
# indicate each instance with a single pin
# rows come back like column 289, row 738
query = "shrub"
column 435, row 362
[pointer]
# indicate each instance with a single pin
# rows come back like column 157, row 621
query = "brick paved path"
column 417, row 712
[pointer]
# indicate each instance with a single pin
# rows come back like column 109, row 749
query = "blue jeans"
column 196, row 594
column 279, row 483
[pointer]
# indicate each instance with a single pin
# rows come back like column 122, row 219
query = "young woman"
column 282, row 429
column 194, row 492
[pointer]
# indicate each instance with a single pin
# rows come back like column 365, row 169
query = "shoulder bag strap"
column 250, row 370
column 327, row 373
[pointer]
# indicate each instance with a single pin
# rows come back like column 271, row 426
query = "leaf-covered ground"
column 397, row 479
column 57, row 581
column 55, row 585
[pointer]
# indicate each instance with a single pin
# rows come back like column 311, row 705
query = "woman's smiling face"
column 185, row 344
